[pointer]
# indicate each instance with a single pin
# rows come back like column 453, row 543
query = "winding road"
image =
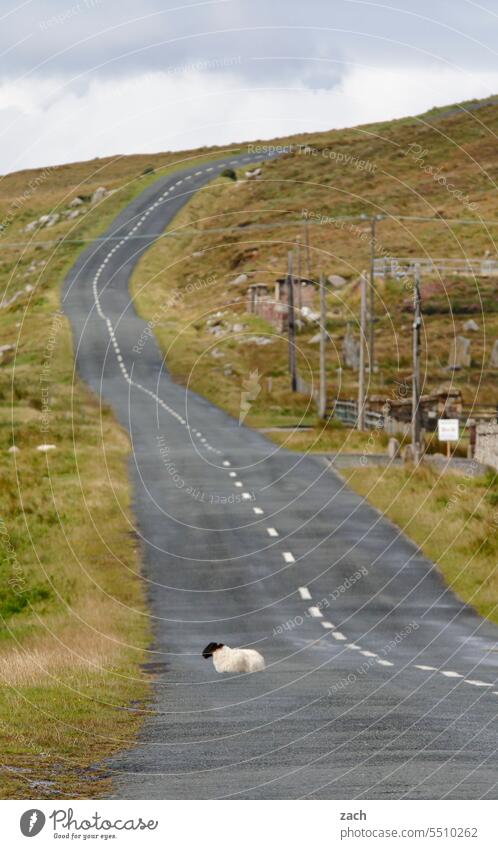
column 379, row 682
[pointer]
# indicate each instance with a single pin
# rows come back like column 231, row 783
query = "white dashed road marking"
column 304, row 593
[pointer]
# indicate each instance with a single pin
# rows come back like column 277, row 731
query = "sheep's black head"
column 210, row 648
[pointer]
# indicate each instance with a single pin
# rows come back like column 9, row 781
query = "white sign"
column 448, row 430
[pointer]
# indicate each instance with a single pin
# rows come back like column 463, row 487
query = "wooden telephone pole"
column 361, row 377
column 417, row 321
column 322, row 402
column 291, row 324
column 307, row 246
column 371, row 329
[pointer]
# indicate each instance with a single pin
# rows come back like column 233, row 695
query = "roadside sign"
column 448, row 430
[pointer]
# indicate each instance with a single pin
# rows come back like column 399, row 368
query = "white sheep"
column 226, row 659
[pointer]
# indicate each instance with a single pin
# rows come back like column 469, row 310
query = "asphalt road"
column 379, row 682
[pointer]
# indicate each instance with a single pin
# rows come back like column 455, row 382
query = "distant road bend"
column 379, row 683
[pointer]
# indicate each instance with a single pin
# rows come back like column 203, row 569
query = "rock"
column 31, row 226
column 256, row 340
column 310, row 315
column 315, row 339
column 13, row 449
column 52, row 219
column 460, row 356
column 99, row 194
column 28, row 287
column 74, row 213
column 44, row 219
column 393, row 448
column 252, row 175
column 493, row 360
column 76, row 202
column 198, row 253
column 238, row 328
column 216, row 353
column 242, row 278
column 337, row 281
column 46, row 447
column 217, row 331
column 470, row 325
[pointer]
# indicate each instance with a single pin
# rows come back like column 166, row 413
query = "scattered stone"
column 13, row 449
column 252, row 175
column 256, row 340
column 315, row 339
column 238, row 328
column 242, row 278
column 46, row 447
column 216, row 353
column 198, row 253
column 31, row 226
column 337, row 281
column 5, row 348
column 493, row 360
column 460, row 356
column 310, row 315
column 393, row 448
column 76, row 202
column 470, row 325
column 99, row 194
column 73, row 214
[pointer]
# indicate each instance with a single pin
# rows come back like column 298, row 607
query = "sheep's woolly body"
column 237, row 660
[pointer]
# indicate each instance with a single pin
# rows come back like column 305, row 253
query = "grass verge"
column 453, row 517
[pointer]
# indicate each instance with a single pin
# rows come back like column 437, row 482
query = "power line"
column 187, row 231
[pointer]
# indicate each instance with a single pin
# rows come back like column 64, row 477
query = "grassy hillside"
column 378, row 169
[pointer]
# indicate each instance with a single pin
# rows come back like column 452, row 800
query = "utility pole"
column 299, row 277
column 291, row 324
column 371, row 336
column 417, row 320
column 361, row 377
column 322, row 403
column 307, row 245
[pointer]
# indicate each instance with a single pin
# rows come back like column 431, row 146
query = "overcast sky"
column 97, row 77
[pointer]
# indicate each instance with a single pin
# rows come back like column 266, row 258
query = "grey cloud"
column 277, row 41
